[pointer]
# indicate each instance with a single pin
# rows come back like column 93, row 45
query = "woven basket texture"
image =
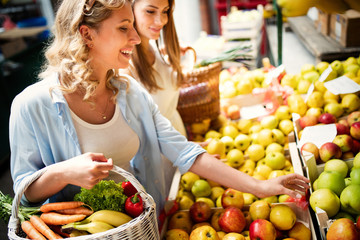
column 199, row 96
column 142, row 227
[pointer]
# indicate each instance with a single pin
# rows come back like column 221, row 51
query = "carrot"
column 53, row 218
column 48, row 207
column 41, row 226
column 31, row 231
column 78, row 210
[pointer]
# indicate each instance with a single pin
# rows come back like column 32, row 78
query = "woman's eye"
column 150, row 11
column 124, row 29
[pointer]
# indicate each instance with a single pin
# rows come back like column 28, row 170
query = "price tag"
column 325, row 74
column 318, row 134
column 254, row 111
column 342, row 85
column 274, row 74
column 309, row 92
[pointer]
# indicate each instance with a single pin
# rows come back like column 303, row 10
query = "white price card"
column 318, row 134
column 274, row 74
column 325, row 74
column 342, row 85
column 253, row 111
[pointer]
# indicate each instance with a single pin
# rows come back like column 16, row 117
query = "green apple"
column 242, row 141
column 187, row 180
column 350, row 60
column 350, row 103
column 255, row 152
column 352, row 68
column 331, row 180
column 229, row 143
column 235, row 157
column 270, row 199
column 185, row 203
column 315, row 100
column 338, row 67
column 303, row 86
column 212, row 134
column 350, row 199
column 311, row 76
column 286, row 126
column 230, row 130
column 269, row 122
column 332, row 75
column 356, row 162
column 337, row 165
column 355, row 176
column 266, row 136
column 307, row 67
column 342, row 214
column 279, row 136
column 244, row 125
column 321, row 67
column 325, row 199
column 283, row 112
column 314, row 112
column 274, row 147
column 347, row 181
column 334, row 108
column 201, row 188
column 275, row 160
column 314, row 185
column 216, row 146
column 249, row 198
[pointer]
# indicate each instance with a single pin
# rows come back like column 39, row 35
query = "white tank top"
column 115, row 139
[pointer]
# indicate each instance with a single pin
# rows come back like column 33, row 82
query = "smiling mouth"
column 127, row 53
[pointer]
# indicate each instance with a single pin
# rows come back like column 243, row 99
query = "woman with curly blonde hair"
column 82, row 117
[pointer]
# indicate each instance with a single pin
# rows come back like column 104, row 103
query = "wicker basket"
column 199, row 96
column 142, row 227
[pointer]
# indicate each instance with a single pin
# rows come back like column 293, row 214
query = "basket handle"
column 14, row 219
column 188, row 48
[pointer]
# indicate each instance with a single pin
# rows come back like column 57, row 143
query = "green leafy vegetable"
column 24, row 212
column 105, row 195
column 229, row 55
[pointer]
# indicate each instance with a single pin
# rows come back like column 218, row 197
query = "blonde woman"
column 82, row 117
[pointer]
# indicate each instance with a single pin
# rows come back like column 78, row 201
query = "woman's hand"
column 87, row 169
column 292, row 184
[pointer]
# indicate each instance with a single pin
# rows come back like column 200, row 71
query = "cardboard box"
column 322, row 24
column 344, row 28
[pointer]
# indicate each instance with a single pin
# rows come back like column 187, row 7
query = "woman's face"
column 114, row 41
column 151, row 16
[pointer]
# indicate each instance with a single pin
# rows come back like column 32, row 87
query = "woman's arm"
column 85, row 171
column 211, row 168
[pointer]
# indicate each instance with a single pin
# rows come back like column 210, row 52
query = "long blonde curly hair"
column 67, row 53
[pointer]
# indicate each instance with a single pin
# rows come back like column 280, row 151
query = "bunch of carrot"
column 54, row 214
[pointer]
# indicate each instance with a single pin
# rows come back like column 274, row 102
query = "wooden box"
column 344, row 28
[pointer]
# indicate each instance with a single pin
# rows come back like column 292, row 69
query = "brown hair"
column 170, row 41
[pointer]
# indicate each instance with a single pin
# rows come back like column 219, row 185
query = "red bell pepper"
column 134, row 205
column 129, row 189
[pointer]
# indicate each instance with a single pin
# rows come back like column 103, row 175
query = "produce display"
column 106, row 206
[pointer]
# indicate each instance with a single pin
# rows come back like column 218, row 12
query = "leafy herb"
column 6, row 205
column 229, row 55
column 105, row 195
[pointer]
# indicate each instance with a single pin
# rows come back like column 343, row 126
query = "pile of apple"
column 234, row 220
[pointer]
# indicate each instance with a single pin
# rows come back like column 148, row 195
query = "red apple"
column 232, row 219
column 233, row 112
column 200, row 212
column 342, row 229
column 262, row 229
column 358, row 223
column 232, row 198
column 344, row 141
column 306, row 121
column 353, row 117
column 329, row 150
column 347, row 155
column 355, row 130
column 311, row 148
column 327, row 118
column 342, row 129
column 356, row 146
column 344, row 122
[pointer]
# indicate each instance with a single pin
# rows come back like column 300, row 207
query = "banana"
column 111, row 217
column 94, row 227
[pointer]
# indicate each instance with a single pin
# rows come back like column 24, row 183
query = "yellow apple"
column 282, row 216
column 289, row 80
column 244, row 125
column 283, row 112
column 286, row 126
column 307, row 67
column 330, row 97
column 260, row 209
column 204, row 233
column 303, row 86
column 216, row 192
column 221, row 234
column 235, row 157
column 212, row 134
column 297, row 104
column 229, row 143
column 200, row 224
column 300, row 231
column 319, row 86
column 187, row 180
column 216, row 146
column 218, row 202
column 270, row 199
column 249, row 198
column 214, row 221
column 206, row 200
column 255, row 152
column 258, row 176
column 269, row 122
column 274, row 147
column 176, row 234
column 350, row 103
column 334, row 108
column 255, row 128
column 242, row 141
column 263, row 170
column 279, row 136
column 248, row 163
column 181, row 220
column 275, row 160
column 185, row 202
column 233, row 236
column 314, row 112
column 230, row 130
column 266, row 136
column 315, row 100
column 276, row 173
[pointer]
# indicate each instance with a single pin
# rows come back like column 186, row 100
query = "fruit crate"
column 312, row 170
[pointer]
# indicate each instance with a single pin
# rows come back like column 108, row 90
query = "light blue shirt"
column 42, row 133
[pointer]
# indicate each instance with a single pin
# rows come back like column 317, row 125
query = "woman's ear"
column 85, row 32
